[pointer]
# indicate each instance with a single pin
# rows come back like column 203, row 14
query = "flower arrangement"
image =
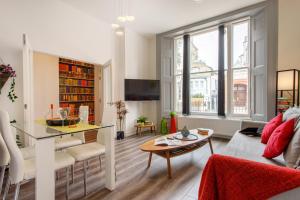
column 6, row 72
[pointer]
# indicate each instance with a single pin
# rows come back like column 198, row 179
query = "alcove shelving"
column 76, row 86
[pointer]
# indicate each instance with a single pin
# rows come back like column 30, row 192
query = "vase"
column 173, row 128
column 120, row 135
column 164, row 126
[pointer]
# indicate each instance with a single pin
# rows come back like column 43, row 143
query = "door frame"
column 28, row 90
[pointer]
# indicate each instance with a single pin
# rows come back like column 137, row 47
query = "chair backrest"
column 16, row 165
column 4, row 154
column 84, row 114
column 109, row 117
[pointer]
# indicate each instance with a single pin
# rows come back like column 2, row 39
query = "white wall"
column 140, row 63
column 46, row 84
column 289, row 34
column 52, row 27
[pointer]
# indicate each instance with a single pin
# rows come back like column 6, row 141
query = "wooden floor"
column 134, row 181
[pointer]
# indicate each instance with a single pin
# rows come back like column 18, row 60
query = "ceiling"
column 157, row 16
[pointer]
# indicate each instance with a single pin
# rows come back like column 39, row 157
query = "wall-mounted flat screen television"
column 142, row 90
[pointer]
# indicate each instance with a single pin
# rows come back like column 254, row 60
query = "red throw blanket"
column 228, row 178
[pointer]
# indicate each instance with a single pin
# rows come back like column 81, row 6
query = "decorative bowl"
column 60, row 122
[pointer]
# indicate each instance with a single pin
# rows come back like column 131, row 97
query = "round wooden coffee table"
column 169, row 152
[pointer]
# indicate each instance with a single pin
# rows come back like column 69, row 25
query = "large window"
column 204, row 54
column 204, row 72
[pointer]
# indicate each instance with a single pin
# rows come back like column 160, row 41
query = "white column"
column 45, row 165
column 110, row 181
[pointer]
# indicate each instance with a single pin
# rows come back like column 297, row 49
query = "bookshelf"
column 77, row 86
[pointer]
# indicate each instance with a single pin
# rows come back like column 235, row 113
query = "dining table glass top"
column 41, row 130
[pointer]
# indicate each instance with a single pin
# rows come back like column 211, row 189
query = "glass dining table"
column 43, row 137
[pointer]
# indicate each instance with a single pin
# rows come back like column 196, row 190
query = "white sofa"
column 251, row 148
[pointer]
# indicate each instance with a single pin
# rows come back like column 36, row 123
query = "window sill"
column 197, row 116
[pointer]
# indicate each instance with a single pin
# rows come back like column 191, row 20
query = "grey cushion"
column 292, row 153
column 292, row 112
column 250, row 148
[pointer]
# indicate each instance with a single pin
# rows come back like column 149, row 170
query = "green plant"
column 18, row 138
column 121, row 112
column 18, row 141
column 198, row 95
column 142, row 119
column 172, row 114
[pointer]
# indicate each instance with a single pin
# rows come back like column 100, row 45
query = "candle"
column 51, row 107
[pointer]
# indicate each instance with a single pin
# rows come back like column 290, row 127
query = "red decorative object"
column 270, row 127
column 279, row 139
column 173, row 128
column 231, row 178
column 51, row 107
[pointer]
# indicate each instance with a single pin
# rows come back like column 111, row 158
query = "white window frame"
column 229, row 100
column 174, row 79
column 203, row 31
column 230, row 69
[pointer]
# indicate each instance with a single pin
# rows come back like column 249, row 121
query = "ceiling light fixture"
column 123, row 7
column 115, row 26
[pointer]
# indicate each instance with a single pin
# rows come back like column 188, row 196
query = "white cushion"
column 86, row 151
column 292, row 153
column 292, row 112
column 62, row 160
column 28, row 152
column 65, row 142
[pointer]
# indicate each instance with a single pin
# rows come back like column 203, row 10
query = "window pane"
column 225, row 49
column 204, row 92
column 204, row 52
column 240, row 91
column 178, row 56
column 226, row 91
column 241, row 45
column 178, row 94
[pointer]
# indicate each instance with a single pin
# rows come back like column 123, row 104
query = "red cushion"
column 270, row 127
column 279, row 139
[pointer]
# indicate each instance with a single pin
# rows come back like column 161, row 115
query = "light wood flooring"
column 134, row 181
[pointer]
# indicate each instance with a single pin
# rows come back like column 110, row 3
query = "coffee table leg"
column 149, row 161
column 169, row 164
column 210, row 145
column 137, row 130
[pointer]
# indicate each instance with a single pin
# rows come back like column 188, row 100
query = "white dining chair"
column 27, row 152
column 4, row 160
column 76, row 138
column 84, row 153
column 21, row 170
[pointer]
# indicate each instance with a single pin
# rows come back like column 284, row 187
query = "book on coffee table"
column 203, row 131
column 163, row 141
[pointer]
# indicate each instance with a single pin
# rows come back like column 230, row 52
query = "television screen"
column 142, row 90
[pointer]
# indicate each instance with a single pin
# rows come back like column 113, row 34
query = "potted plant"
column 142, row 120
column 6, row 72
column 121, row 114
